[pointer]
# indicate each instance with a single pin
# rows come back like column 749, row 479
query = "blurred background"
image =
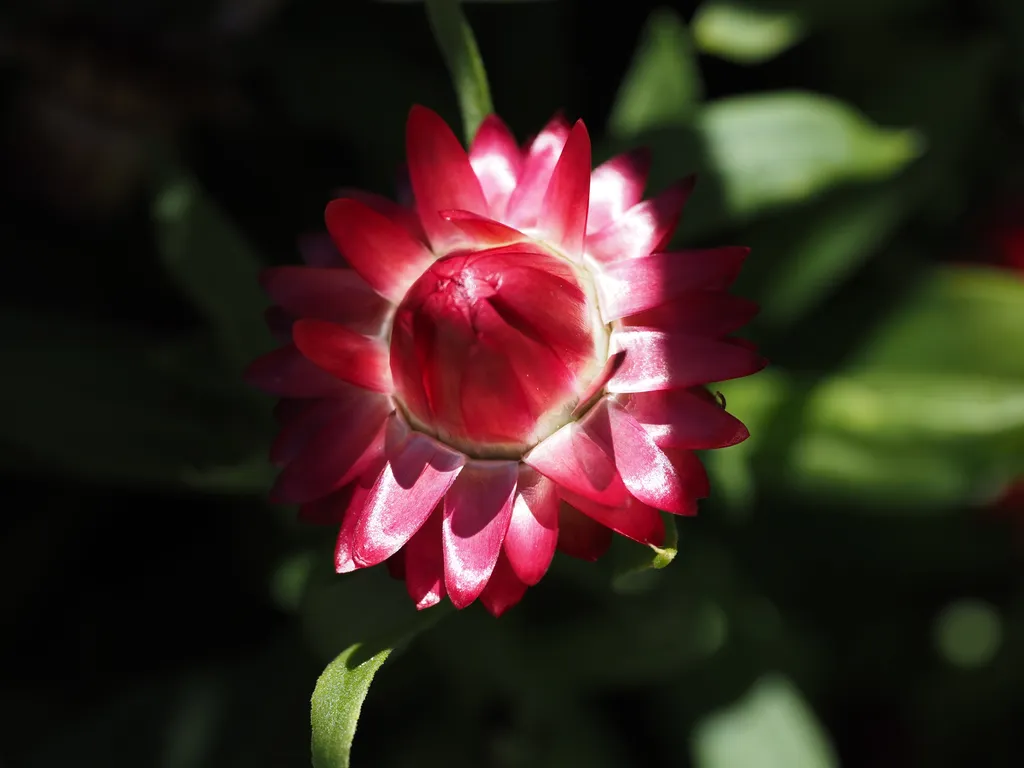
column 851, row 594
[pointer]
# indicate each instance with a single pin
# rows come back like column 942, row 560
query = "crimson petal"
column 533, row 529
column 616, row 186
column 497, row 162
column 643, row 229
column 338, row 295
column 562, row 220
column 504, row 589
column 424, row 563
column 477, row 510
column 684, row 418
column 352, row 357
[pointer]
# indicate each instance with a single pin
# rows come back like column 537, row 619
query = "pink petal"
column 396, row 565
column 318, row 250
column 338, row 295
column 701, row 313
column 424, row 563
column 477, row 510
column 634, row 285
column 643, row 229
column 683, row 418
column 286, row 372
column 383, row 253
column 497, row 162
column 503, row 590
column 578, row 463
column 691, row 472
column 405, row 217
column 350, row 356
column 562, row 219
column 419, row 472
column 645, row 470
column 634, row 519
column 483, row 232
column 301, row 421
column 661, row 360
column 524, row 205
column 611, row 367
column 336, row 454
column 533, row 529
column 279, row 323
column 442, row 178
column 616, row 186
column 580, row 536
column 395, row 431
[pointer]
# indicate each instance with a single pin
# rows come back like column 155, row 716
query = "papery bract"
column 514, row 364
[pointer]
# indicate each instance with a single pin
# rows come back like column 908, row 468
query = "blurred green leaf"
column 770, row 727
column 746, row 32
column 662, row 87
column 342, row 688
column 779, row 148
column 960, row 320
column 211, row 262
column 97, row 402
column 803, row 255
column 635, row 563
column 455, row 38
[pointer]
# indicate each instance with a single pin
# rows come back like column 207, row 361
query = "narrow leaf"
column 662, row 87
column 455, row 38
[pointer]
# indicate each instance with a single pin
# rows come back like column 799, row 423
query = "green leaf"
column 807, row 253
column 779, row 148
column 342, row 688
column 211, row 262
column 964, row 321
column 746, row 32
column 770, row 727
column 662, row 87
column 636, row 564
column 455, row 38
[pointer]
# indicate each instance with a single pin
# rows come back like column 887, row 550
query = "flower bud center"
column 491, row 350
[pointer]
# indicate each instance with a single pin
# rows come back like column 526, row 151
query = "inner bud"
column 490, row 351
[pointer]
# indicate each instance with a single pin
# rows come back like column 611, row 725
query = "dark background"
column 852, row 587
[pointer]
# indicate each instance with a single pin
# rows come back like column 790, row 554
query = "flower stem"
column 455, row 38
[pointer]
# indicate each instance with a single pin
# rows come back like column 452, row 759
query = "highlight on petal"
column 685, row 418
column 524, row 205
column 574, row 460
column 398, row 213
column 533, row 529
column 424, row 563
column 562, row 220
column 616, row 186
column 286, row 372
column 484, row 232
column 580, row 536
column 477, row 511
column 634, row 285
column 350, row 356
column 497, row 163
column 383, row 253
column 663, row 360
column 504, row 589
column 700, row 313
column 646, row 471
column 442, row 178
column 337, row 453
column 338, row 295
column 645, row 228
column 418, row 473
column 395, row 433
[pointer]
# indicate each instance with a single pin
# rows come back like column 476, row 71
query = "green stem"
column 458, row 46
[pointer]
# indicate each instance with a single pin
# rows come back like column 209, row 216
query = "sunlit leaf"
column 746, row 32
column 342, row 688
column 778, row 148
column 662, row 87
column 770, row 727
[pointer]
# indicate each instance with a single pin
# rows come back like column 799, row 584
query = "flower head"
column 512, row 365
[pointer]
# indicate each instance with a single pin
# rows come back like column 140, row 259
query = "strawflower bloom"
column 510, row 366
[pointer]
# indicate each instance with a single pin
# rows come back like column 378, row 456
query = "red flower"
column 512, row 367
